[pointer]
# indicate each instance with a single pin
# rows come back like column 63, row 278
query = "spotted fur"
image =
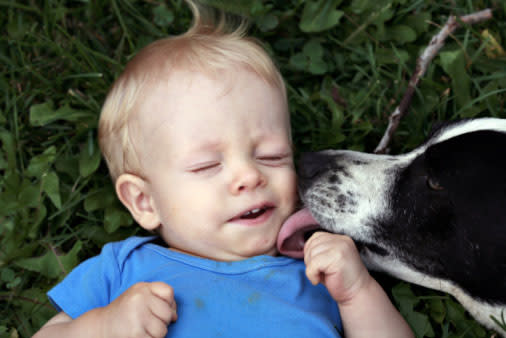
column 435, row 216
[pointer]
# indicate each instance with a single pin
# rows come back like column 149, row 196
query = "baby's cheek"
column 290, row 185
column 293, row 181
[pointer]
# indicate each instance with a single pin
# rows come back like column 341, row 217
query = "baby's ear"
column 134, row 192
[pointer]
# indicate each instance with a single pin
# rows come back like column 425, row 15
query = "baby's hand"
column 144, row 310
column 333, row 260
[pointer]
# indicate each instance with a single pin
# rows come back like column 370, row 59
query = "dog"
column 435, row 216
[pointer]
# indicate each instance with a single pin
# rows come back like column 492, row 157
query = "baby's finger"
column 314, row 275
column 314, row 271
column 318, row 265
column 163, row 310
column 163, row 291
column 318, row 243
column 156, row 328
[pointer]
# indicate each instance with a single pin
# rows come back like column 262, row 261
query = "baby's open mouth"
column 253, row 213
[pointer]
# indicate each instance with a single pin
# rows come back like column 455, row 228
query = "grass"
column 346, row 63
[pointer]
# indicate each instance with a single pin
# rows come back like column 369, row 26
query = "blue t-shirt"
column 262, row 296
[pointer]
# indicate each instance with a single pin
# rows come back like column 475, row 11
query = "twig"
column 436, row 43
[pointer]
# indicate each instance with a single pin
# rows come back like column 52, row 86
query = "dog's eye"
column 434, row 184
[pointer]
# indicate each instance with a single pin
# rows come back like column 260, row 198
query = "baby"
column 196, row 134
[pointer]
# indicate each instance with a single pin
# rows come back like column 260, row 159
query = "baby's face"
column 217, row 155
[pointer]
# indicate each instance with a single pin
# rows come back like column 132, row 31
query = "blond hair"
column 210, row 45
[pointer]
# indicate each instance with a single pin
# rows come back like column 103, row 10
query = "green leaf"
column 16, row 29
column 454, row 64
column 89, row 159
column 311, row 58
column 298, row 61
column 9, row 194
column 493, row 48
column 267, row 22
column 9, row 147
column 389, row 56
column 51, row 266
column 360, row 6
column 320, row 15
column 456, row 313
column 318, row 67
column 40, row 113
column 29, row 195
column 31, row 301
column 14, row 283
column 313, row 49
column 68, row 164
column 3, row 120
column 437, row 310
column 406, row 299
column 40, row 164
column 420, row 324
column 419, row 22
column 381, row 16
column 38, row 215
column 44, row 113
column 3, row 162
column 163, row 16
column 401, row 33
column 326, row 92
column 114, row 218
column 51, row 186
column 99, row 199
column 7, row 275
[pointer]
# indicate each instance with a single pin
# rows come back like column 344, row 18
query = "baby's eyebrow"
column 206, row 146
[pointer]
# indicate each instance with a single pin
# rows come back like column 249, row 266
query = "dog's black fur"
column 435, row 216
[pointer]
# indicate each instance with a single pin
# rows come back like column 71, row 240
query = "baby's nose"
column 247, row 177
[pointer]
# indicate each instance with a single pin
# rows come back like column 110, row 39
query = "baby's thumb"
column 163, row 291
column 313, row 274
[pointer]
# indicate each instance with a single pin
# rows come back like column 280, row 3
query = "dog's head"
column 439, row 210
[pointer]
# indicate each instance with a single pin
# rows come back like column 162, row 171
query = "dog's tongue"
column 291, row 237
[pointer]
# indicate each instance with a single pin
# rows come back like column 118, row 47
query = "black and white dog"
column 435, row 216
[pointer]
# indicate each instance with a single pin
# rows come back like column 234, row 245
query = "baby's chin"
column 230, row 257
column 271, row 250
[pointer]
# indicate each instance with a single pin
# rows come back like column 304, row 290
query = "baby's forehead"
column 182, row 98
column 163, row 98
column 166, row 89
column 165, row 92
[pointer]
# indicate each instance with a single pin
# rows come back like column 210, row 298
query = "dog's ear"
column 134, row 192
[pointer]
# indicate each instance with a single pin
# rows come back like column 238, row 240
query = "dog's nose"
column 312, row 164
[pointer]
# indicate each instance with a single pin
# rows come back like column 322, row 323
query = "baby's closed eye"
column 204, row 167
column 275, row 159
